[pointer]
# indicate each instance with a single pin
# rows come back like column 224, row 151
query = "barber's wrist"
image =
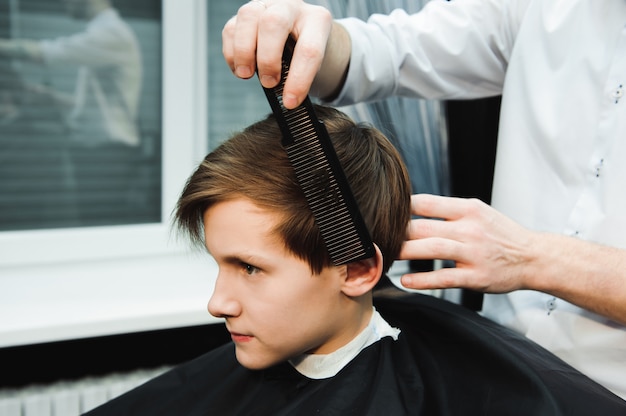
column 541, row 259
column 334, row 70
column 557, row 263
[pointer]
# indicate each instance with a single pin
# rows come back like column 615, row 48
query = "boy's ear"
column 362, row 275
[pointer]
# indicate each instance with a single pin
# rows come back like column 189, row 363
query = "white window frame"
column 84, row 282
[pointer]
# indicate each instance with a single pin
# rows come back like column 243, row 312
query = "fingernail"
column 243, row 71
column 290, row 100
column 268, row 81
column 406, row 280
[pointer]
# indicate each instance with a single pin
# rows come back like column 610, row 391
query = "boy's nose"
column 222, row 304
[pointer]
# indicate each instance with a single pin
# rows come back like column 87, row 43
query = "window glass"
column 232, row 103
column 80, row 113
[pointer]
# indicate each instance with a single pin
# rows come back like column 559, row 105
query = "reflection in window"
column 80, row 112
column 232, row 103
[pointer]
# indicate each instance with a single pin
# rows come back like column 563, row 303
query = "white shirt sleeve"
column 449, row 50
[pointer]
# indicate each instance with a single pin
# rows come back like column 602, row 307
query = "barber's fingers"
column 434, row 248
column 312, row 31
column 449, row 208
column 274, row 26
column 254, row 39
column 466, row 276
column 310, row 26
column 445, row 278
column 425, row 228
column 240, row 37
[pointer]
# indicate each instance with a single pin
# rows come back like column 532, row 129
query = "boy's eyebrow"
column 245, row 258
column 233, row 259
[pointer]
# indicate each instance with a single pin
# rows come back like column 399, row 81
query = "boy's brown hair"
column 253, row 164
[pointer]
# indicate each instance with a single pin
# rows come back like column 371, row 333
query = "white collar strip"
column 319, row 366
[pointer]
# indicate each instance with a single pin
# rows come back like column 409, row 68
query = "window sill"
column 58, row 302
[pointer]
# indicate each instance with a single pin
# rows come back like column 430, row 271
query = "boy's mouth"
column 238, row 338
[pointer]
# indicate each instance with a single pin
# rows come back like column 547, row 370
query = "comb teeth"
column 320, row 176
column 325, row 200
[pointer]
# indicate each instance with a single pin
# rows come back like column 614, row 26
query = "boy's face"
column 274, row 306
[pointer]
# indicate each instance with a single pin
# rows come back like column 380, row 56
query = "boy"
column 306, row 337
column 245, row 206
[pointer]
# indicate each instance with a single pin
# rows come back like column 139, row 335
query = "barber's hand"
column 256, row 36
column 490, row 250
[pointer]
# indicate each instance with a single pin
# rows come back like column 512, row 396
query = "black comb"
column 320, row 175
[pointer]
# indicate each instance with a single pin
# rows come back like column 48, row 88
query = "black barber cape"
column 447, row 361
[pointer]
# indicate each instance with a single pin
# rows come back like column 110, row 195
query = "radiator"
column 70, row 398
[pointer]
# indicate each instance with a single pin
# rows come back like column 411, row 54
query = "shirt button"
column 551, row 305
column 598, row 168
column 618, row 93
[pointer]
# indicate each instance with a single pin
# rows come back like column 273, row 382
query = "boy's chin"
column 256, row 363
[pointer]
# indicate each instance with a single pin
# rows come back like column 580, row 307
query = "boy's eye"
column 249, row 269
